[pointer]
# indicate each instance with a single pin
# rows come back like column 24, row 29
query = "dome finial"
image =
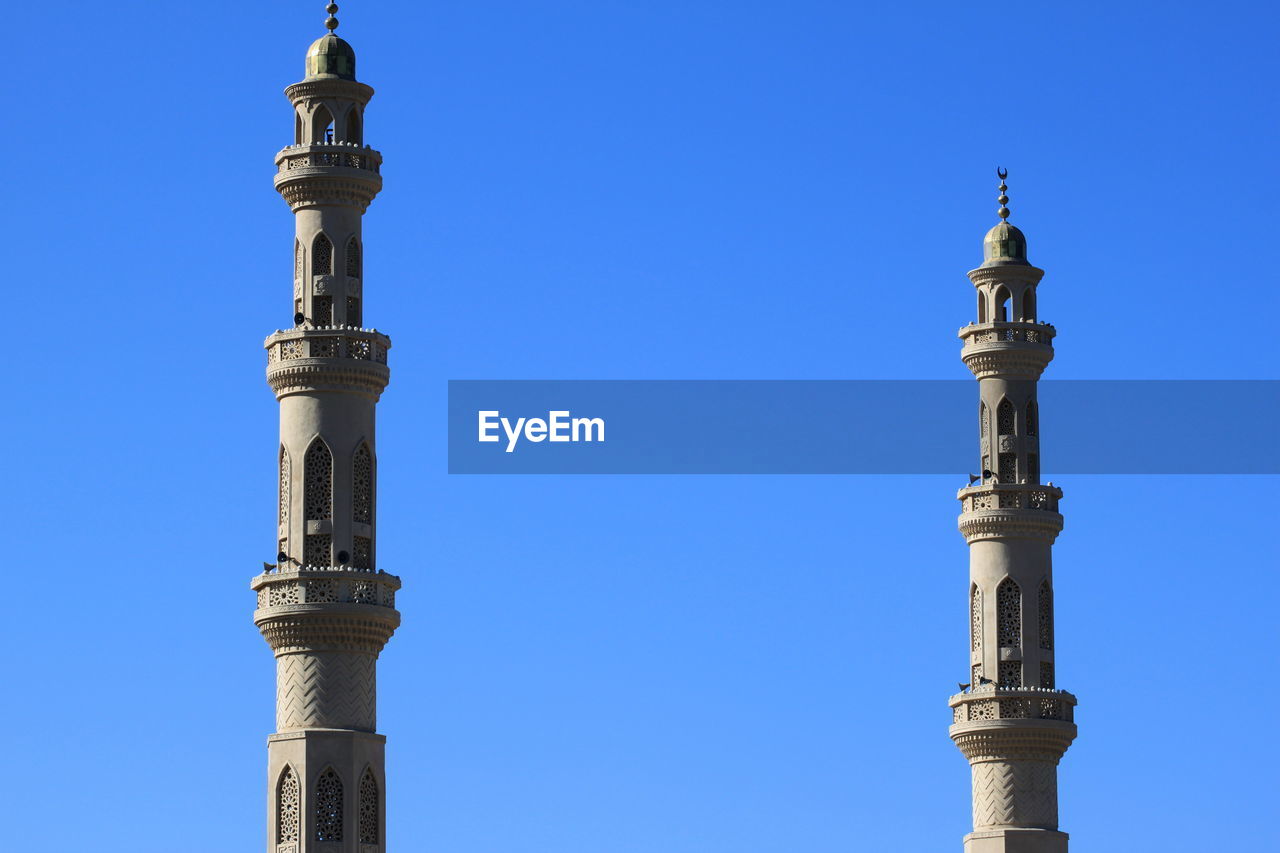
column 1003, row 199
column 331, row 23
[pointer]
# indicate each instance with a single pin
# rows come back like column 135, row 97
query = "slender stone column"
column 324, row 607
column 1011, row 723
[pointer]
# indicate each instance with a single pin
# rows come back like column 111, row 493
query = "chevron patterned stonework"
column 326, row 690
column 324, row 607
column 1010, row 722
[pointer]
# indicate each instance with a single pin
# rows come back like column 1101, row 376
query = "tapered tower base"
column 1016, row 841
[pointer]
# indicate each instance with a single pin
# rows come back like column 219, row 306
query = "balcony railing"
column 309, row 156
column 1010, row 496
column 1012, row 703
column 328, row 342
column 990, row 333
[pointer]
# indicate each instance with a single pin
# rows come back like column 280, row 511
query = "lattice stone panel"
column 362, row 552
column 1004, row 418
column 319, row 548
column 281, row 594
column 321, row 256
column 1046, row 615
column 1046, row 674
column 353, row 258
column 984, row 710
column 1008, row 464
column 328, row 807
column 318, row 470
column 1032, row 418
column 368, row 809
column 1010, row 673
column 291, row 349
column 975, row 675
column 284, row 485
column 1009, row 613
column 288, row 807
column 320, row 591
column 362, row 486
column 975, row 619
column 321, row 314
column 326, row 347
column 353, row 311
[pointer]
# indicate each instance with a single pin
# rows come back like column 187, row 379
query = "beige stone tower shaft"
column 325, row 609
column 1012, row 724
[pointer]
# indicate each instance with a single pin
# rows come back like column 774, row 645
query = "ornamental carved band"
column 1015, row 793
column 328, row 690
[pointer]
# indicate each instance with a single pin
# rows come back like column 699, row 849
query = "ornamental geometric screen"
column 288, row 797
column 1031, row 418
column 975, row 618
column 1009, row 613
column 1046, row 615
column 368, row 809
column 362, row 485
column 329, row 807
column 284, row 485
column 982, row 416
column 1046, row 674
column 297, row 260
column 1004, row 418
column 1008, row 465
column 318, row 488
column 321, row 256
column 353, row 311
column 353, row 258
column 1010, row 673
column 322, row 311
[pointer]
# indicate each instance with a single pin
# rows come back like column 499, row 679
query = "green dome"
column 330, row 56
column 1004, row 244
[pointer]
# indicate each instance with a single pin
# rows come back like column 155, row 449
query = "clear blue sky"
column 631, row 190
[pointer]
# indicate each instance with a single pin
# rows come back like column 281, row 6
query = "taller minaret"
column 324, row 607
column 1012, row 724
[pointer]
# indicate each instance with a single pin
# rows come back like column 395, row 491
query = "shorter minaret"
column 1012, row 724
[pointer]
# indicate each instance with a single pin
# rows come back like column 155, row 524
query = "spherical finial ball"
column 1004, row 213
column 331, row 23
column 332, row 8
column 1003, row 199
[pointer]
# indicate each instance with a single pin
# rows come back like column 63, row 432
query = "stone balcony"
column 330, row 358
column 314, row 175
column 1012, row 703
column 1008, row 350
column 1012, row 511
column 327, row 156
column 315, row 608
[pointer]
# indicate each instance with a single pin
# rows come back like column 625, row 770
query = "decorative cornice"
column 328, row 374
column 986, row 524
column 314, row 186
column 1007, row 359
column 329, row 88
column 1003, row 740
column 327, row 627
column 1008, row 273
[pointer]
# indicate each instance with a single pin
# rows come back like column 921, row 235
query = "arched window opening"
column 353, row 126
column 1032, row 418
column 328, row 810
column 1001, row 304
column 984, row 417
column 318, row 502
column 1004, row 418
column 1029, row 305
column 288, row 807
column 1009, row 613
column 975, row 618
column 297, row 128
column 319, row 485
column 368, row 808
column 982, row 307
column 1046, row 616
column 321, row 256
column 322, row 125
column 298, row 260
